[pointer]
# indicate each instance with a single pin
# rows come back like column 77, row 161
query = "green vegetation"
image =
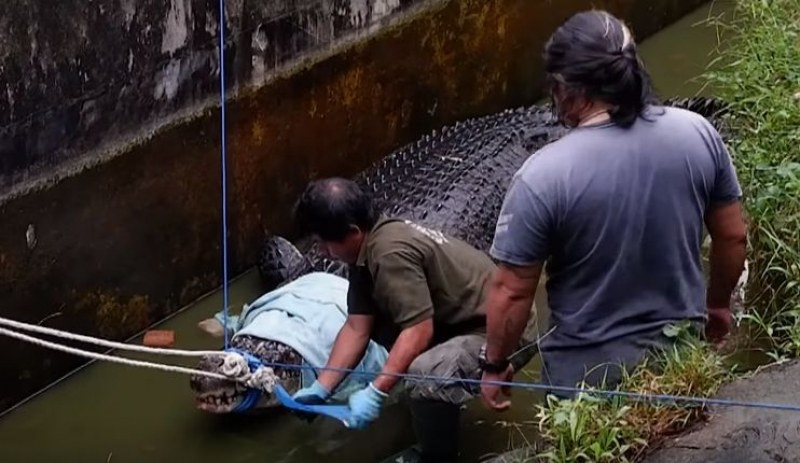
column 586, row 429
column 603, row 429
column 760, row 81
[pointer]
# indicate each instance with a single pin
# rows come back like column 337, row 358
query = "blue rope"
column 253, row 395
column 224, row 169
column 548, row 388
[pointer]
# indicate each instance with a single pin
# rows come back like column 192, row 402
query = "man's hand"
column 720, row 321
column 316, row 394
column 365, row 406
column 490, row 393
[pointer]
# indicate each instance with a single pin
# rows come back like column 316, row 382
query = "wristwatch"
column 491, row 367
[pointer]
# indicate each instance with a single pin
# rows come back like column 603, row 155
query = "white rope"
column 105, row 343
column 234, row 368
column 109, row 358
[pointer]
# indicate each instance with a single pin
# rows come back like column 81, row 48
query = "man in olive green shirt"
column 414, row 290
column 416, row 269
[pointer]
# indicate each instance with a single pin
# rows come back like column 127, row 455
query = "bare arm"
column 511, row 293
column 728, row 246
column 411, row 342
column 349, row 347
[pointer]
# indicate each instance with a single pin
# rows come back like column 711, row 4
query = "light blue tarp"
column 306, row 315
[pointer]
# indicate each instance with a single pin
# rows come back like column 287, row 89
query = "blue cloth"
column 306, row 315
column 617, row 215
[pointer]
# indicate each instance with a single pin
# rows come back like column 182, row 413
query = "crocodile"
column 453, row 180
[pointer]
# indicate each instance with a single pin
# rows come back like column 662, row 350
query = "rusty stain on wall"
column 138, row 236
column 113, row 315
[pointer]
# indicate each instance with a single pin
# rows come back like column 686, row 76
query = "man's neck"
column 596, row 113
column 361, row 259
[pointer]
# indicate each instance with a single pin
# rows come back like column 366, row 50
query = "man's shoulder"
column 387, row 231
column 404, row 232
column 676, row 112
column 552, row 159
column 676, row 118
column 543, row 172
column 391, row 235
column 409, row 240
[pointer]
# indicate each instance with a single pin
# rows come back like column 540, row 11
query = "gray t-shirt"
column 617, row 215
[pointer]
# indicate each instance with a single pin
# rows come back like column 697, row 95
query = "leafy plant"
column 586, row 429
column 688, row 368
column 590, row 428
column 760, row 83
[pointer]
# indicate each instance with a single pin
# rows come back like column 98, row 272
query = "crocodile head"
column 223, row 396
column 279, row 263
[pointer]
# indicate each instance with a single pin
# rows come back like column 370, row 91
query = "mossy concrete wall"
column 106, row 229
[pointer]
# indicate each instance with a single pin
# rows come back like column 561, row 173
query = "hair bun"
column 629, row 51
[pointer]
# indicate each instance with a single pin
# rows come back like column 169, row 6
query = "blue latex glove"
column 365, row 406
column 316, row 394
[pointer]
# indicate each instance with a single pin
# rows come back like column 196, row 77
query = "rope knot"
column 263, row 378
column 235, row 365
column 245, row 368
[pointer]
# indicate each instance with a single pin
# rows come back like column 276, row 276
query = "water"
column 111, row 413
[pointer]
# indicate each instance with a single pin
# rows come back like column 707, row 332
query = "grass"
column 760, row 81
column 761, row 84
column 689, row 368
column 602, row 429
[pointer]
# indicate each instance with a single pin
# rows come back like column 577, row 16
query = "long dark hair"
column 593, row 55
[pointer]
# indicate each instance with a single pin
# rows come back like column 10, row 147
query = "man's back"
column 619, row 213
column 417, row 272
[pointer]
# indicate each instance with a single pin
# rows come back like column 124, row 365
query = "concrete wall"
column 80, row 79
column 109, row 133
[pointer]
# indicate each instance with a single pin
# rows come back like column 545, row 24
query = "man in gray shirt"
column 616, row 208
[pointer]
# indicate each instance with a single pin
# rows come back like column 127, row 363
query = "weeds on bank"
column 688, row 368
column 587, row 429
column 761, row 84
column 596, row 428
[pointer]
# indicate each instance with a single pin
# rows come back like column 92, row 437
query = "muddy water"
column 110, row 413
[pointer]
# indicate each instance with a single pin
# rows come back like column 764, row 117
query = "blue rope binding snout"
column 253, row 395
column 251, row 398
column 338, row 412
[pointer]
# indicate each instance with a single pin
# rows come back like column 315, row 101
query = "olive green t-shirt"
column 407, row 273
